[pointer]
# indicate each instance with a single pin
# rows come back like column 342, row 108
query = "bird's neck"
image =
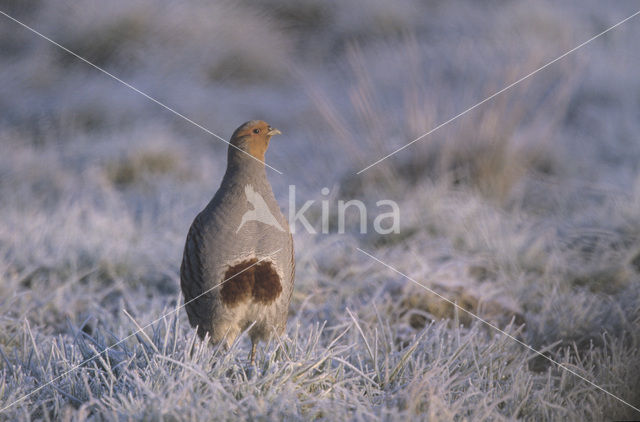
column 245, row 170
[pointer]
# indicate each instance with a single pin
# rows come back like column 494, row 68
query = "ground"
column 524, row 212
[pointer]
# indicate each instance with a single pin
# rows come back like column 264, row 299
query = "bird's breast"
column 251, row 280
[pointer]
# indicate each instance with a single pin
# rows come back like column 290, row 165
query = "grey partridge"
column 238, row 264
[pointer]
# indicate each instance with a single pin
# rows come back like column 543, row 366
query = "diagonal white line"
column 136, row 90
column 133, row 334
column 499, row 92
column 497, row 329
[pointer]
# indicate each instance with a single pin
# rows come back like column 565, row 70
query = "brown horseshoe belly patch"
column 248, row 280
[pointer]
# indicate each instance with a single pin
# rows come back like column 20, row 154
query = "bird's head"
column 253, row 137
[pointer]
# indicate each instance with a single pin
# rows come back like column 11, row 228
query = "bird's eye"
column 256, row 130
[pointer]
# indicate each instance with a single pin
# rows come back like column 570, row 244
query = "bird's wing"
column 194, row 279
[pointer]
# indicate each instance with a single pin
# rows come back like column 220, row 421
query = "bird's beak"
column 274, row 132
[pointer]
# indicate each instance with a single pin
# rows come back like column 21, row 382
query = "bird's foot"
column 252, row 370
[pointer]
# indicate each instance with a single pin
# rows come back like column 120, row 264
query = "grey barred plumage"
column 254, row 255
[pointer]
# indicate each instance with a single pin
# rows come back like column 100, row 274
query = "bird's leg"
column 252, row 353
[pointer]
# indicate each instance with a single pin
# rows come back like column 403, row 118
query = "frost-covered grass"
column 526, row 211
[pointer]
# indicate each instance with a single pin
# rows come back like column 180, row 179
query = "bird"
column 260, row 211
column 238, row 265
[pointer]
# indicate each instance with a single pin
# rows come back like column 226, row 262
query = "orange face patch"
column 258, row 147
column 248, row 280
column 255, row 136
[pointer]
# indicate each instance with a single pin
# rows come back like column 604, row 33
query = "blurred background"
column 525, row 209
